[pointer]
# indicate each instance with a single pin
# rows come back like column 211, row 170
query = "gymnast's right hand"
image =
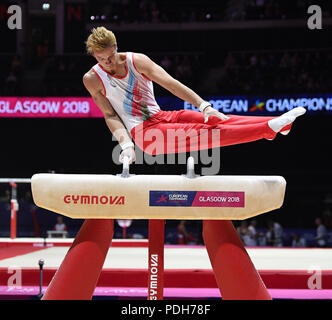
column 128, row 152
column 209, row 111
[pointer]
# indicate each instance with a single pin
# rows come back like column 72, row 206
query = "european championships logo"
column 258, row 105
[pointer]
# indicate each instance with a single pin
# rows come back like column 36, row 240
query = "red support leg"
column 235, row 273
column 13, row 211
column 13, row 218
column 156, row 260
column 79, row 272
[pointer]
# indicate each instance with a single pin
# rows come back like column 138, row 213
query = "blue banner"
column 257, row 105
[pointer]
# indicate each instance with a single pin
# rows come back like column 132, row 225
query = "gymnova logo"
column 89, row 199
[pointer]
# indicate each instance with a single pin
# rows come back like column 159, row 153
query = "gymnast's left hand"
column 128, row 152
column 209, row 111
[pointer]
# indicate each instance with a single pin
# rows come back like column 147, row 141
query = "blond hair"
column 99, row 39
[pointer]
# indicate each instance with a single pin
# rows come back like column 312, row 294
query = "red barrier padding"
column 176, row 278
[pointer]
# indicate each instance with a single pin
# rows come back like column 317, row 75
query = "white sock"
column 285, row 119
column 278, row 123
column 285, row 133
column 296, row 112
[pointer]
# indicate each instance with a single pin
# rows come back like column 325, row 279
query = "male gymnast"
column 121, row 84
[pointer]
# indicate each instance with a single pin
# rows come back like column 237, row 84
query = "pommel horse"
column 99, row 199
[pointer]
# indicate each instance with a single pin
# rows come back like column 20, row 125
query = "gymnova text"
column 93, row 199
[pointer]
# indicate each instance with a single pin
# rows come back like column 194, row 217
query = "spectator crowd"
column 242, row 73
column 274, row 235
column 280, row 9
column 191, row 11
column 11, row 75
column 276, row 72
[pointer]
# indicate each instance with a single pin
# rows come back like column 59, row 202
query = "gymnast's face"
column 108, row 57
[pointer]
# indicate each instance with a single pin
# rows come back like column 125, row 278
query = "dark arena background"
column 248, row 57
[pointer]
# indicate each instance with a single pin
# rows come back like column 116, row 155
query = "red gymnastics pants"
column 185, row 131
